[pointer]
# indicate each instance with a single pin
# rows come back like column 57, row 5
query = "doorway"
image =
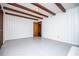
column 37, row 29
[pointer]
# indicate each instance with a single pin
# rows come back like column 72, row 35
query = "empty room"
column 39, row 29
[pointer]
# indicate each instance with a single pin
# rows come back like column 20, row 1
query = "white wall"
column 17, row 27
column 62, row 27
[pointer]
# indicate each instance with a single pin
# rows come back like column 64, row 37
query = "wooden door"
column 1, row 28
column 35, row 25
column 37, row 29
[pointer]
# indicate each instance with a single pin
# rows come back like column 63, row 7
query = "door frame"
column 1, row 28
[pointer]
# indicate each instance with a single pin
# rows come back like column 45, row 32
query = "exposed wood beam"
column 44, row 8
column 1, row 9
column 60, row 7
column 0, row 6
column 22, row 12
column 19, row 16
column 25, row 8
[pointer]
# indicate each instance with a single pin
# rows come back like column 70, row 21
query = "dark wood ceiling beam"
column 60, row 7
column 44, row 8
column 0, row 6
column 25, row 8
column 19, row 16
column 22, row 12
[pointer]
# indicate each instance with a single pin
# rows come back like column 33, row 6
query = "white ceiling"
column 55, row 9
column 50, row 6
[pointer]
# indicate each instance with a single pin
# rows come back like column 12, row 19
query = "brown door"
column 35, row 25
column 1, row 28
column 37, row 29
